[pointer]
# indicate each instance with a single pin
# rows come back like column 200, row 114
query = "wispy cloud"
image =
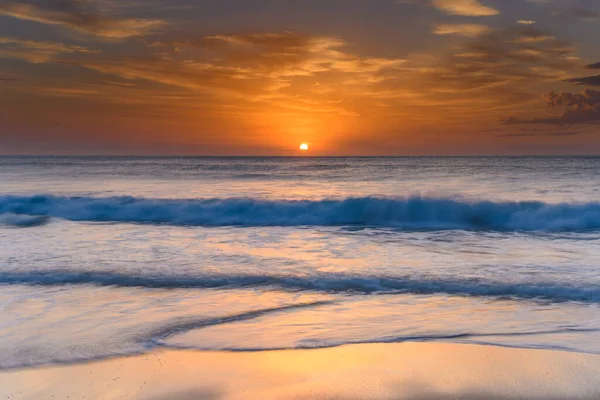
column 36, row 51
column 297, row 72
column 78, row 15
column 471, row 8
column 506, row 56
column 468, row 30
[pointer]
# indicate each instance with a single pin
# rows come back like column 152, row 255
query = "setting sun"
column 304, row 147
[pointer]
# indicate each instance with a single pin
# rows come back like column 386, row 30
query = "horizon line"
column 298, row 156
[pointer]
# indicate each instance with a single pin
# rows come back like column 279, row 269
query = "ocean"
column 106, row 256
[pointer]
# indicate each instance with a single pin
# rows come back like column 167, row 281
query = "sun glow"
column 304, row 147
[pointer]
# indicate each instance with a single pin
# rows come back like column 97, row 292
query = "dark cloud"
column 577, row 108
column 80, row 15
column 577, row 13
column 536, row 133
column 586, row 80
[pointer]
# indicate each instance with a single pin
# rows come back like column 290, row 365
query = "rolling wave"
column 329, row 283
column 400, row 213
column 22, row 220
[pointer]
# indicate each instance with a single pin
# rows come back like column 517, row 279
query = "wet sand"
column 373, row 371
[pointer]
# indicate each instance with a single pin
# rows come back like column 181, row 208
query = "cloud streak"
column 468, row 30
column 36, row 51
column 299, row 73
column 586, row 80
column 471, row 8
column 78, row 15
column 504, row 57
column 536, row 133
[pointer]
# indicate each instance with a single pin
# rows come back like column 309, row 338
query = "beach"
column 373, row 371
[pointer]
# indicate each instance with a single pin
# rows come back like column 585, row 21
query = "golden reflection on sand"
column 376, row 371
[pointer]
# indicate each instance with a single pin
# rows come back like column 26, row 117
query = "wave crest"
column 401, row 213
column 22, row 220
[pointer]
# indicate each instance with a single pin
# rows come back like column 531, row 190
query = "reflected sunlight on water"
column 116, row 287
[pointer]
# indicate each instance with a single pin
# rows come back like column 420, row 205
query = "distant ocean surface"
column 104, row 256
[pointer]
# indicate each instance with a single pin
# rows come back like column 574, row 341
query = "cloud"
column 578, row 108
column 535, row 133
column 484, row 76
column 486, row 72
column 289, row 54
column 525, row 22
column 477, row 79
column 578, row 13
column 471, row 8
column 468, row 30
column 542, row 2
column 36, row 51
column 587, row 80
column 78, row 15
column 301, row 73
column 504, row 57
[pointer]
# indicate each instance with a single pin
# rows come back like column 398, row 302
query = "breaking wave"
column 401, row 213
column 329, row 283
column 23, row 220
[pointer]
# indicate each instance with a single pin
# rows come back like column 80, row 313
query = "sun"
column 304, row 147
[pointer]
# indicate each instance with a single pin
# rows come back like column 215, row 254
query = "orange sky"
column 349, row 77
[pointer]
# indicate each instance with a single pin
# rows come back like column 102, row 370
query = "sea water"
column 104, row 256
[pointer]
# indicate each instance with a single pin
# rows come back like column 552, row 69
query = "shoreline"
column 410, row 370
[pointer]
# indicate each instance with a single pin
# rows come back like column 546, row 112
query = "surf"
column 407, row 213
column 345, row 284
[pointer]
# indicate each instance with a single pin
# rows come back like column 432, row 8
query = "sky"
column 260, row 77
